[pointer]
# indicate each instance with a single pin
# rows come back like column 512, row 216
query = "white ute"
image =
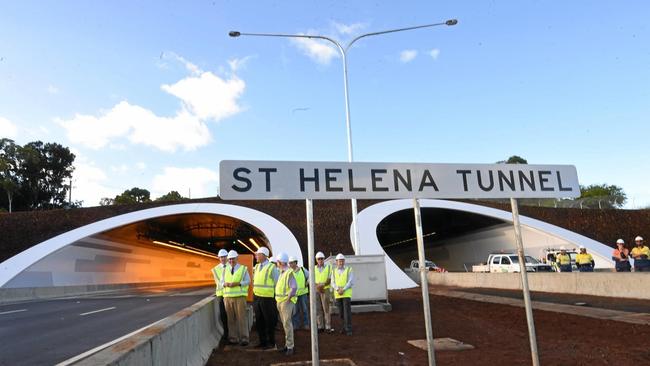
column 509, row 263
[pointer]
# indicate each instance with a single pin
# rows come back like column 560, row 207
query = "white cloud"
column 192, row 68
column 7, row 129
column 201, row 182
column 348, row 29
column 434, row 53
column 238, row 63
column 121, row 169
column 203, row 96
column 88, row 182
column 207, row 96
column 52, row 89
column 141, row 165
column 318, row 51
column 408, row 55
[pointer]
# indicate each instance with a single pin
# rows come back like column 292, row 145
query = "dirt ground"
column 498, row 332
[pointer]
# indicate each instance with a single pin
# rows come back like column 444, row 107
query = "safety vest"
column 563, row 260
column 584, row 258
column 322, row 275
column 301, row 282
column 282, row 289
column 263, row 283
column 217, row 272
column 636, row 251
column 238, row 276
column 341, row 279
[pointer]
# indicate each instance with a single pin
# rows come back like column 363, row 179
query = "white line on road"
column 88, row 353
column 97, row 311
column 12, row 311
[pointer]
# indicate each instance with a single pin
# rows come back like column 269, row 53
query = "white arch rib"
column 369, row 219
column 280, row 237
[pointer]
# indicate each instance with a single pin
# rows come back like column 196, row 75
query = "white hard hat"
column 582, row 247
column 638, row 238
column 562, row 248
column 223, row 253
column 232, row 254
column 320, row 255
column 292, row 259
column 620, row 241
column 263, row 250
column 340, row 256
column 272, row 260
column 283, row 257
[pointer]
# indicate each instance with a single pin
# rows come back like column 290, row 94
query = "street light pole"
column 343, row 51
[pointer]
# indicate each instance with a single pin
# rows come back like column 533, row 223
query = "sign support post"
column 312, row 283
column 524, row 282
column 424, row 283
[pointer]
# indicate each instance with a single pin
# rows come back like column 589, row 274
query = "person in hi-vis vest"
column 342, row 281
column 285, row 297
column 218, row 272
column 265, row 276
column 301, row 310
column 323, row 277
column 235, row 290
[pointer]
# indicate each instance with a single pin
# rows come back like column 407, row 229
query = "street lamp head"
column 234, row 34
column 452, row 22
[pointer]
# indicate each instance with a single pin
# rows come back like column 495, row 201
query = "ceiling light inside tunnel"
column 187, row 249
column 254, row 243
column 407, row 240
column 246, row 246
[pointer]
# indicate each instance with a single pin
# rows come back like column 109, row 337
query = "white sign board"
column 269, row 180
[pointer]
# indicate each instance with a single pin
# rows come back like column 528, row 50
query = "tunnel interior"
column 396, row 232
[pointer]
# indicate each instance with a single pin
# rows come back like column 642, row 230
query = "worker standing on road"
column 301, row 312
column 285, row 297
column 584, row 260
column 323, row 278
column 563, row 261
column 342, row 281
column 641, row 255
column 218, row 273
column 265, row 276
column 621, row 256
column 235, row 291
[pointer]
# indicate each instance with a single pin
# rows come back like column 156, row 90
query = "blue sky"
column 155, row 94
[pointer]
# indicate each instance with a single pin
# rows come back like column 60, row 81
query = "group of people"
column 621, row 256
column 280, row 290
column 640, row 253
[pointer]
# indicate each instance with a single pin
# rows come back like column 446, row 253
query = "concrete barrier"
column 11, row 295
column 610, row 284
column 185, row 338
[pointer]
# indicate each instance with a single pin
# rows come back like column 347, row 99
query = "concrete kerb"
column 185, row 338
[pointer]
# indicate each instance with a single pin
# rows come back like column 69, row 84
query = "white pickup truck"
column 413, row 271
column 509, row 262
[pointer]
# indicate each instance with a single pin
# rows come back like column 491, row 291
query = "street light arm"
column 448, row 22
column 237, row 34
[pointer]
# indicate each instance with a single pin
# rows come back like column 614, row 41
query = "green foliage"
column 514, row 159
column 133, row 195
column 106, row 201
column 602, row 196
column 170, row 197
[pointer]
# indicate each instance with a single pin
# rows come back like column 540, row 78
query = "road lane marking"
column 12, row 311
column 97, row 311
column 88, row 353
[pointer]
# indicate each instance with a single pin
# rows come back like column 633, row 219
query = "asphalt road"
column 52, row 331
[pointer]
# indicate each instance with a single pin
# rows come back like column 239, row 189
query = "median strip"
column 97, row 311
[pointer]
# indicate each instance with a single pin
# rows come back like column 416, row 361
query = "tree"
column 602, row 196
column 170, row 197
column 133, row 195
column 9, row 169
column 514, row 159
column 106, row 201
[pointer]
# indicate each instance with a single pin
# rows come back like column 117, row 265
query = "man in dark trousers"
column 265, row 276
column 218, row 273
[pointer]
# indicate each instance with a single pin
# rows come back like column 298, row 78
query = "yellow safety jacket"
column 322, row 275
column 238, row 276
column 584, row 258
column 563, row 260
column 263, row 283
column 217, row 272
column 282, row 289
column 301, row 282
column 341, row 279
column 636, row 251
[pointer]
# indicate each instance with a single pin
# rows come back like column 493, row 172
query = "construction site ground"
column 494, row 325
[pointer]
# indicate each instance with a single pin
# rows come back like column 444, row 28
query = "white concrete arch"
column 369, row 219
column 280, row 237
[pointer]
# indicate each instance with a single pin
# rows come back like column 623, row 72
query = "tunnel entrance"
column 440, row 227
